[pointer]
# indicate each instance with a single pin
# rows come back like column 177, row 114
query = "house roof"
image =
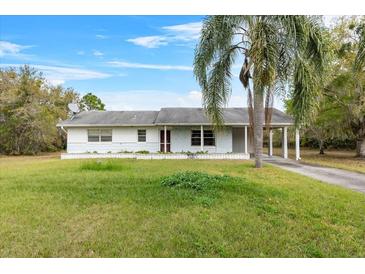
column 231, row 116
column 166, row 116
column 101, row 118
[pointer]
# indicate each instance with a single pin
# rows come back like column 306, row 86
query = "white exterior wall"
column 181, row 140
column 124, row 139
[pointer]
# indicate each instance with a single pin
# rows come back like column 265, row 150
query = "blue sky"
column 130, row 62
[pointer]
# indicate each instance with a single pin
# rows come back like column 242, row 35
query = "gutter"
column 63, row 129
column 166, row 124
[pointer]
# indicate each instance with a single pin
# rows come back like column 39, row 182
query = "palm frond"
column 360, row 56
column 304, row 91
column 216, row 96
column 213, row 60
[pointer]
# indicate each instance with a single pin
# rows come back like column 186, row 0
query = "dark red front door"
column 162, row 141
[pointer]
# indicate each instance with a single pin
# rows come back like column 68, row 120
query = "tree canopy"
column 278, row 52
column 30, row 108
column 91, row 102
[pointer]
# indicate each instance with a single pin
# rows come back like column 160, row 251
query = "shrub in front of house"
column 125, row 151
column 143, row 152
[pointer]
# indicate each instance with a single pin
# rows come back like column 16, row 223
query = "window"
column 99, row 135
column 195, row 137
column 209, row 138
column 93, row 135
column 106, row 135
column 141, row 135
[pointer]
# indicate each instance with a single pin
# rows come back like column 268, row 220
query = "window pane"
column 106, row 132
column 106, row 135
column 208, row 133
column 195, row 137
column 209, row 142
column 209, row 138
column 93, row 135
column 141, row 135
column 195, row 133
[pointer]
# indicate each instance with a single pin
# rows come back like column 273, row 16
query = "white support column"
column 270, row 142
column 297, row 144
column 201, row 138
column 165, row 139
column 285, row 142
column 246, row 151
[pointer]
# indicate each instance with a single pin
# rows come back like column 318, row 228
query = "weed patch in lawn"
column 100, row 165
column 194, row 180
column 200, row 187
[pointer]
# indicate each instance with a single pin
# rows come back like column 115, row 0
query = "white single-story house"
column 167, row 130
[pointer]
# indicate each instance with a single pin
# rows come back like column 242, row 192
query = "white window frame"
column 100, row 135
column 145, row 135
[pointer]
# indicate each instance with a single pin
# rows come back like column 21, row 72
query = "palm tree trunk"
column 258, row 117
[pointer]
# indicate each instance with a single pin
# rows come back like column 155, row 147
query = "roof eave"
column 163, row 124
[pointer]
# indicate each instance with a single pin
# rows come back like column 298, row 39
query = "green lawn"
column 54, row 208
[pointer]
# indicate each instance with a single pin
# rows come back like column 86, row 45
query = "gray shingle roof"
column 99, row 118
column 166, row 116
column 197, row 116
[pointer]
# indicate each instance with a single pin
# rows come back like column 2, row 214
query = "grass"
column 343, row 159
column 121, row 208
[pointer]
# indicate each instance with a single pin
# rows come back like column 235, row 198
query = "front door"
column 162, row 141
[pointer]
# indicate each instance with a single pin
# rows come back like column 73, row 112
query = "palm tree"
column 279, row 52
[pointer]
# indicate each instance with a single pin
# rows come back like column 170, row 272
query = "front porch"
column 239, row 140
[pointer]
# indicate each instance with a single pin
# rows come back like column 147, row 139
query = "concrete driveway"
column 348, row 179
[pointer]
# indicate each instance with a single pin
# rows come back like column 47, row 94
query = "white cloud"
column 149, row 41
column 175, row 33
column 148, row 66
column 185, row 32
column 193, row 98
column 98, row 53
column 80, row 52
column 11, row 49
column 101, row 37
column 59, row 75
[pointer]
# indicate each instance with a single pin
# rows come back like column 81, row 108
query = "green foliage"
column 100, row 165
column 339, row 116
column 91, row 102
column 29, row 112
column 193, row 180
column 342, row 108
column 277, row 51
column 202, row 188
column 143, row 152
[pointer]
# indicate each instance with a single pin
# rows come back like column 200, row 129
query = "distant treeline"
column 30, row 108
